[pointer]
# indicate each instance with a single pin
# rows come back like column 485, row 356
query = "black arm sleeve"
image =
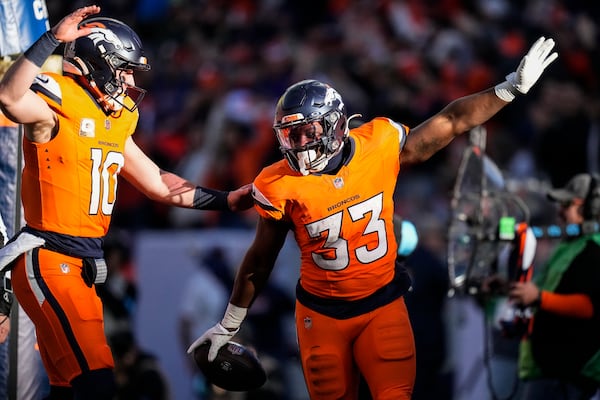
column 209, row 199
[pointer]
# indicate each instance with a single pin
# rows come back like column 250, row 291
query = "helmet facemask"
column 315, row 155
column 116, row 88
column 314, row 111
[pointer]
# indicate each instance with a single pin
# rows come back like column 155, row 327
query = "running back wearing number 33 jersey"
column 349, row 297
column 347, row 236
column 336, row 195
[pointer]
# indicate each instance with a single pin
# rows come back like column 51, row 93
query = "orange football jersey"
column 70, row 183
column 343, row 223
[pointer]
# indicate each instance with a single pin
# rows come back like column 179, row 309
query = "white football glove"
column 218, row 337
column 529, row 70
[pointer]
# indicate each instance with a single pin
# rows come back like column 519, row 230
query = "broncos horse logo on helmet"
column 95, row 60
column 304, row 103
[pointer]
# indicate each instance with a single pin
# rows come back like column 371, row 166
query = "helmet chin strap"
column 108, row 102
column 114, row 104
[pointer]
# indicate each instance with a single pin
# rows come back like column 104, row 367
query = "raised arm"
column 19, row 103
column 467, row 112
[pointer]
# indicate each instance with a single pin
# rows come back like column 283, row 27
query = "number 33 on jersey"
column 347, row 218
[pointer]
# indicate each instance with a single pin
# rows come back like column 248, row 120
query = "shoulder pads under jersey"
column 46, row 85
column 262, row 200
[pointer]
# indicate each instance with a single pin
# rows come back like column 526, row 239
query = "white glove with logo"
column 218, row 337
column 222, row 332
column 529, row 71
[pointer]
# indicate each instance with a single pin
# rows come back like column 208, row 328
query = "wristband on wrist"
column 234, row 316
column 209, row 199
column 39, row 52
column 506, row 91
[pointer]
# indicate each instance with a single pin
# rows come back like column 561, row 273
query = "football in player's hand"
column 236, row 368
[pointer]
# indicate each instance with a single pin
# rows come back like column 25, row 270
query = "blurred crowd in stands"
column 219, row 66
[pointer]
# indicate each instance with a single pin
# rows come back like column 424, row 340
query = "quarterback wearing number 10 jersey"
column 68, row 192
column 77, row 128
column 77, row 143
column 349, row 296
column 89, row 142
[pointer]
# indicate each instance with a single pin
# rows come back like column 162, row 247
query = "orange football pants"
column 379, row 345
column 67, row 314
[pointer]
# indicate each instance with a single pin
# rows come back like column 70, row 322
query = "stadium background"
column 218, row 67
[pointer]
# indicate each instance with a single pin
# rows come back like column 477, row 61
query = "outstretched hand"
column 532, row 65
column 67, row 29
column 240, row 199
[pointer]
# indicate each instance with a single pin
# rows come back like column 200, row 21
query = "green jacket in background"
column 548, row 279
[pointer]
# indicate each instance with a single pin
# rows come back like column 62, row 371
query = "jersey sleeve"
column 46, row 86
column 271, row 191
column 403, row 132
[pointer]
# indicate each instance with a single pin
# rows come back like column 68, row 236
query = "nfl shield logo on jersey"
column 307, row 322
column 338, row 183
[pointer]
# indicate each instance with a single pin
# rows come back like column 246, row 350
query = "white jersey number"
column 104, row 180
column 338, row 246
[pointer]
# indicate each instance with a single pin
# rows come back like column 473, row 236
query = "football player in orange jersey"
column 334, row 191
column 77, row 140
